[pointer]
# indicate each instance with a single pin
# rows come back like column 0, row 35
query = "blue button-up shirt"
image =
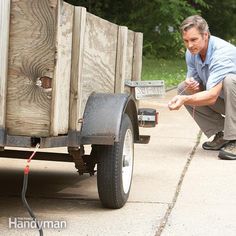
column 220, row 61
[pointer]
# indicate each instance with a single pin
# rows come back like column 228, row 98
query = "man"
column 209, row 92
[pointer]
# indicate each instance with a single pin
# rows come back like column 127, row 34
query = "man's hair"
column 195, row 21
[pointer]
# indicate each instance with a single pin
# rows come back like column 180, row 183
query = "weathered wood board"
column 121, row 61
column 130, row 54
column 129, row 58
column 99, row 60
column 137, row 56
column 62, row 73
column 76, row 68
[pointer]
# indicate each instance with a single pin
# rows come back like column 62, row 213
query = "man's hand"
column 202, row 98
column 191, row 85
column 176, row 102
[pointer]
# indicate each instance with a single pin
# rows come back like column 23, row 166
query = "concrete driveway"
column 57, row 193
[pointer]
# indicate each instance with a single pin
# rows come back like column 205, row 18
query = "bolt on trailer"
column 68, row 79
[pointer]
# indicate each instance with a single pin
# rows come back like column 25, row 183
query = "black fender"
column 103, row 115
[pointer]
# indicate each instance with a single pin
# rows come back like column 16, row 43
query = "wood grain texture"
column 130, row 54
column 4, row 39
column 58, row 55
column 99, row 62
column 138, row 52
column 129, row 59
column 61, row 79
column 121, row 59
column 137, row 61
column 31, row 56
column 76, row 67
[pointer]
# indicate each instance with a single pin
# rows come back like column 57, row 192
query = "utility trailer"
column 68, row 79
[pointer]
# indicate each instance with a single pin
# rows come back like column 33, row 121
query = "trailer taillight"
column 147, row 117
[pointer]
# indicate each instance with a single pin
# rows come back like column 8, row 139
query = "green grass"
column 172, row 71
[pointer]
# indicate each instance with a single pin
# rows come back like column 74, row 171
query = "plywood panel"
column 99, row 62
column 31, row 56
column 61, row 80
column 4, row 39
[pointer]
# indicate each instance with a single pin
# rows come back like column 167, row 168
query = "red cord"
column 26, row 170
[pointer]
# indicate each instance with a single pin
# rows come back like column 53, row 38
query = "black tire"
column 112, row 190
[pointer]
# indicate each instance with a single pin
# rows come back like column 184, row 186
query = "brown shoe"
column 217, row 143
column 228, row 152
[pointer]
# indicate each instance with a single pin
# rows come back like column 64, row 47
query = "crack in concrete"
column 150, row 202
column 178, row 188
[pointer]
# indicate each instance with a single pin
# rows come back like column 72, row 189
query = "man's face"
column 194, row 41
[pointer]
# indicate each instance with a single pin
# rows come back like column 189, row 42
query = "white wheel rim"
column 127, row 161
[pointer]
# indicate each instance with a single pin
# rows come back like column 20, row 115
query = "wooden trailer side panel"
column 58, row 55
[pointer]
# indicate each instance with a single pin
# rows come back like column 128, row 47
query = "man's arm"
column 202, row 98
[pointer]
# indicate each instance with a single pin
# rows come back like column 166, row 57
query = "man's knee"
column 229, row 81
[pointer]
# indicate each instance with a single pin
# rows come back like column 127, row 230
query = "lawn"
column 171, row 71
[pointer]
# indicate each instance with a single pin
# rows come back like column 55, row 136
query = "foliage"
column 221, row 17
column 161, row 27
column 172, row 71
column 159, row 20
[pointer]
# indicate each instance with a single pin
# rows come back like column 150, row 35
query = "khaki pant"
column 218, row 117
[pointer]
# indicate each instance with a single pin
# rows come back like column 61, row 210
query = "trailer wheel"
column 115, row 168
